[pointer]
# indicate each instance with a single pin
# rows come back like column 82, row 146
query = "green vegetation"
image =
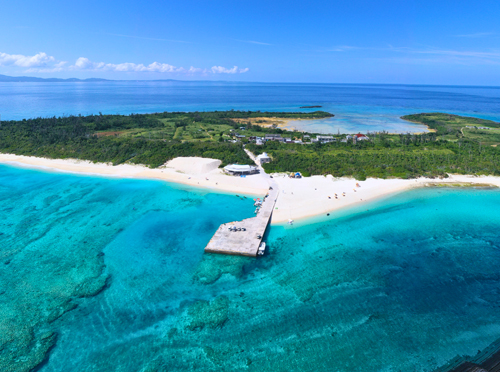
column 384, row 156
column 448, row 124
column 149, row 139
column 153, row 139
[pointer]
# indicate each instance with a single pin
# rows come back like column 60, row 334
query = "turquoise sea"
column 101, row 274
column 357, row 107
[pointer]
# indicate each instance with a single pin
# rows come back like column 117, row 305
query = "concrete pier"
column 244, row 243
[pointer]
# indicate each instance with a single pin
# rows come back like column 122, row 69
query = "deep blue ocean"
column 357, row 107
column 402, row 284
column 106, row 274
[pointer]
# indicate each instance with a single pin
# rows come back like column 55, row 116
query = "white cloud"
column 85, row 64
column 223, row 70
column 57, row 67
column 43, row 63
column 38, row 60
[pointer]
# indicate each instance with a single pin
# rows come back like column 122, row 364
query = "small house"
column 263, row 158
column 325, row 139
column 273, row 137
column 361, row 137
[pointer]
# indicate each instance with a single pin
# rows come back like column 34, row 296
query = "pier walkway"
column 245, row 243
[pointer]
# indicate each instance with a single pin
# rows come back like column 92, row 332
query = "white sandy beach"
column 196, row 172
column 312, row 196
column 298, row 198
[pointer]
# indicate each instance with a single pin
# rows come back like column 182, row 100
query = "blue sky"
column 415, row 42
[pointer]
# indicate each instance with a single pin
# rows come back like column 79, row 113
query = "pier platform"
column 244, row 243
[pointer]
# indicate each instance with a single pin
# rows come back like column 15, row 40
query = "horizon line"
column 86, row 80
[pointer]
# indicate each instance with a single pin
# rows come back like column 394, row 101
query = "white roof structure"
column 263, row 156
column 243, row 169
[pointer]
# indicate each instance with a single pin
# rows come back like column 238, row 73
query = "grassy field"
column 201, row 131
column 452, row 127
column 485, row 137
column 153, row 139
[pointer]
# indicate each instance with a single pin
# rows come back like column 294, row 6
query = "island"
column 456, row 144
column 313, row 174
column 451, row 126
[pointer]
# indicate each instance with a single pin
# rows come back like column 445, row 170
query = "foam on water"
column 406, row 283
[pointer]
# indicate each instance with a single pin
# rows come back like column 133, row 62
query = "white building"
column 361, row 137
column 263, row 158
column 325, row 139
column 273, row 137
column 240, row 170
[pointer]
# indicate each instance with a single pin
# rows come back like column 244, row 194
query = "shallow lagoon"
column 405, row 283
column 357, row 107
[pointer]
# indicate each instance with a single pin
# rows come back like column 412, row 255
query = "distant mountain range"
column 28, row 79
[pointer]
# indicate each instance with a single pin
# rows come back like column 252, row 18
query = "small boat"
column 262, row 249
column 290, row 222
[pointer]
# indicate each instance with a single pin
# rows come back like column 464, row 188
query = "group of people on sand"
column 343, row 194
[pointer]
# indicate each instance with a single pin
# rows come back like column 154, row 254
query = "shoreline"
column 212, row 179
column 297, row 204
column 416, row 122
column 285, row 124
column 299, row 199
column 281, row 123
